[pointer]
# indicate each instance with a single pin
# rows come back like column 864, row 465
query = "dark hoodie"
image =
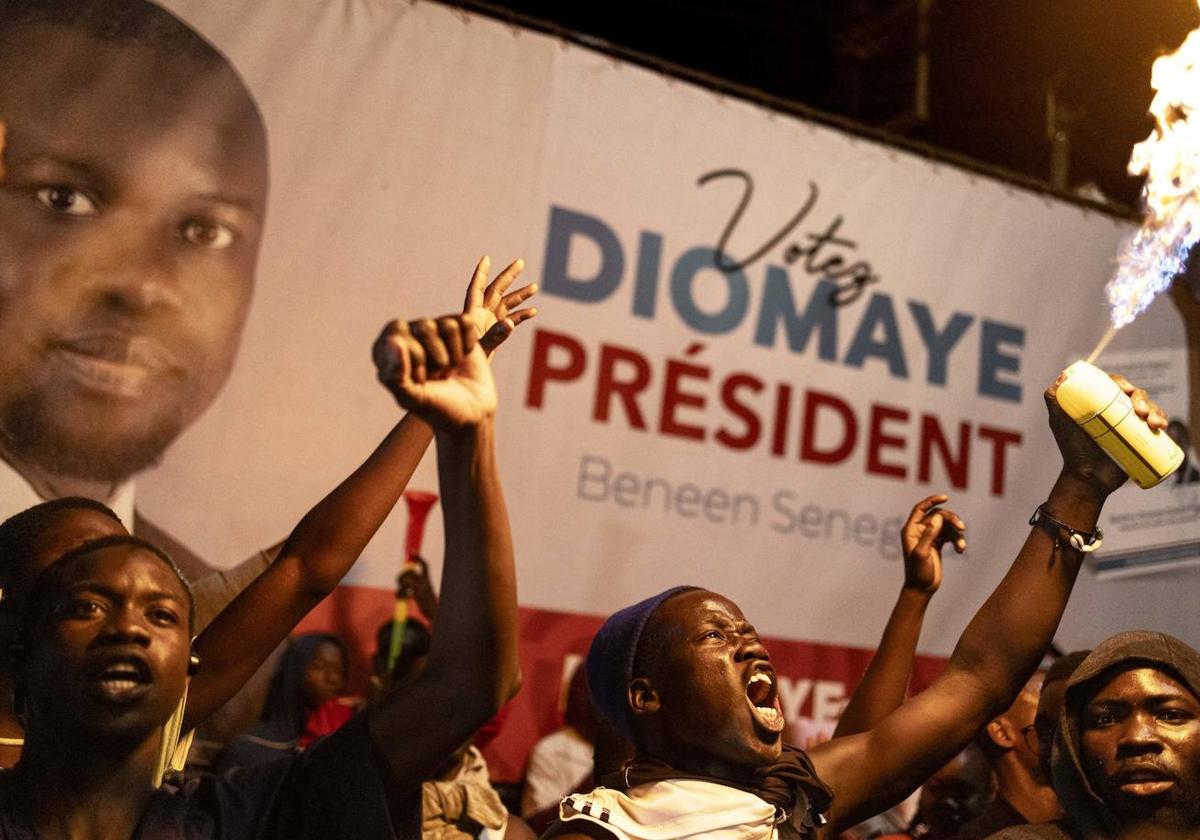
column 1088, row 818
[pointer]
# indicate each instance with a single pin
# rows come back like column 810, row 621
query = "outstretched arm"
column 883, row 686
column 1189, row 310
column 331, row 536
column 438, row 371
column 997, row 652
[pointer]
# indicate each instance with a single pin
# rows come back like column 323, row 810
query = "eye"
column 80, row 609
column 1174, row 716
column 1099, row 720
column 713, row 634
column 67, row 201
column 164, row 617
column 207, row 234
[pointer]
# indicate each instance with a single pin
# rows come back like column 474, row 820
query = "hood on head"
column 1122, row 652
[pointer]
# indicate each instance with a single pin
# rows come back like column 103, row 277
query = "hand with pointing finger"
column 927, row 529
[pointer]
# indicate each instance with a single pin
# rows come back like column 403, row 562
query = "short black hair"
column 19, row 532
column 50, row 582
column 415, row 645
column 123, row 21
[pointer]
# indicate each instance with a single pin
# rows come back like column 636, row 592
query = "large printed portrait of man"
column 132, row 202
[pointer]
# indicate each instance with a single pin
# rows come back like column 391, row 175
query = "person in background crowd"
column 311, row 674
column 1126, row 760
column 684, row 675
column 951, row 797
column 309, row 565
column 1050, row 705
column 561, row 762
column 105, row 658
column 415, row 647
column 414, row 584
column 1010, row 744
column 29, row 542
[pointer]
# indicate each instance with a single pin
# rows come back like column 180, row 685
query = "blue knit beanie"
column 611, row 656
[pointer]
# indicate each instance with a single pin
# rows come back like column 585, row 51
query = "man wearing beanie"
column 684, row 676
column 1127, row 752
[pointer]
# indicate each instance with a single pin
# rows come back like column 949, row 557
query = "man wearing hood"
column 1126, row 759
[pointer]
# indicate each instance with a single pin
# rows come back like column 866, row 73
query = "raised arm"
column 438, row 372
column 1189, row 310
column 885, row 683
column 331, row 536
column 997, row 652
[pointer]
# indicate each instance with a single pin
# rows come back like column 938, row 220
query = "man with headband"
column 685, row 677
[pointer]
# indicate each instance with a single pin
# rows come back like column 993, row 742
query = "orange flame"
column 1170, row 160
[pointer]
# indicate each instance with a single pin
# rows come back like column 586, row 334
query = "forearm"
column 332, row 535
column 311, row 563
column 477, row 645
column 885, row 683
column 1012, row 630
column 472, row 666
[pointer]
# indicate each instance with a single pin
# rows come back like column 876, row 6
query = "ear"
column 643, row 698
column 1002, row 733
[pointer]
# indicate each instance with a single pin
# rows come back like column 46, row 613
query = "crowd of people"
column 116, row 648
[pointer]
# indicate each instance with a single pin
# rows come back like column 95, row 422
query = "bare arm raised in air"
column 885, row 683
column 997, row 652
column 438, row 371
column 331, row 536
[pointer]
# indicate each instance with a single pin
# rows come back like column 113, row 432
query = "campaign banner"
column 761, row 339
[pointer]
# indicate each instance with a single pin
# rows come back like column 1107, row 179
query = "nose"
column 752, row 648
column 141, row 275
column 1139, row 736
column 127, row 626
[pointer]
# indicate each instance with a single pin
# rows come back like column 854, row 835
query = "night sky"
column 990, row 60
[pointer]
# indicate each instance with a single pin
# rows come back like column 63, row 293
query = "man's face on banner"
column 130, row 219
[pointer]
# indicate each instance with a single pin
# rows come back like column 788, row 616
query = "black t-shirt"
column 335, row 789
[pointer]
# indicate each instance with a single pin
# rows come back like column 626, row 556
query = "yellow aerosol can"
column 1090, row 397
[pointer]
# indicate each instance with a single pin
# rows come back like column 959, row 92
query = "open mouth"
column 120, row 679
column 762, row 694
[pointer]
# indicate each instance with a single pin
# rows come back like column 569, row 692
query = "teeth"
column 769, row 714
column 119, row 685
column 761, row 676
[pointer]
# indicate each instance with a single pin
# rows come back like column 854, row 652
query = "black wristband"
column 1085, row 541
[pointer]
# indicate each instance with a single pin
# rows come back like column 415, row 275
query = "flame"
column 1170, row 160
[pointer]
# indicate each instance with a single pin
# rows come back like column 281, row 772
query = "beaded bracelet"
column 1084, row 541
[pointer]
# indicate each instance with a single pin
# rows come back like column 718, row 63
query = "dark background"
column 990, row 62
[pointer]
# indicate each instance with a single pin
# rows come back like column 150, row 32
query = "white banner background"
column 407, row 140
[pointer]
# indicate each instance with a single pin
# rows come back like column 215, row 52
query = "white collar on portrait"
column 16, row 494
